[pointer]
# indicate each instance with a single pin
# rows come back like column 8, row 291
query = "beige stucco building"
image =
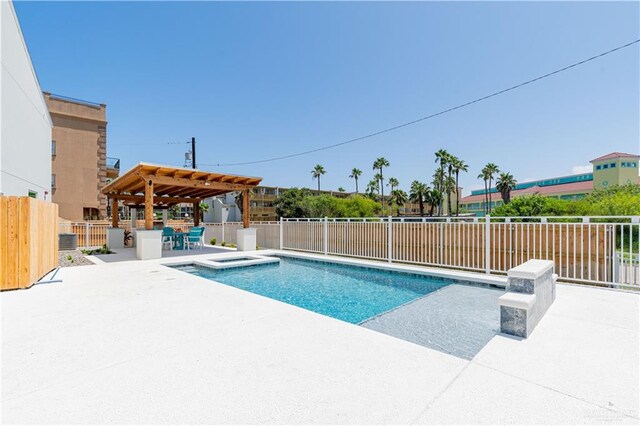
column 79, row 157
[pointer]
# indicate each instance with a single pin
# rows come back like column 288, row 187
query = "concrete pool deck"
column 137, row 342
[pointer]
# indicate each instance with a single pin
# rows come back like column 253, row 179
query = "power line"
column 390, row 129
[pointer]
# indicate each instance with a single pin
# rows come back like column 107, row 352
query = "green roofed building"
column 616, row 168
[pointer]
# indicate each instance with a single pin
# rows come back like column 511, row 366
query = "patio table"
column 178, row 240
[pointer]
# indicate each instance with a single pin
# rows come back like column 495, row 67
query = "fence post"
column 390, row 240
column 487, row 244
column 326, row 236
column 86, row 234
column 281, row 233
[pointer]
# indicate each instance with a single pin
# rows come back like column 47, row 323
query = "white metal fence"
column 595, row 250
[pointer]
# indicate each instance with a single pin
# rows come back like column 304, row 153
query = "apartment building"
column 25, row 125
column 79, row 164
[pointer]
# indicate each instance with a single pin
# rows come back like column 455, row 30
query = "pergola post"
column 196, row 213
column 148, row 205
column 245, row 209
column 114, row 212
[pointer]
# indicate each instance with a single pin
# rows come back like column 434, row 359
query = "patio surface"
column 120, row 255
column 136, row 342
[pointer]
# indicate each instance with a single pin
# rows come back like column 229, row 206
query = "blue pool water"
column 348, row 293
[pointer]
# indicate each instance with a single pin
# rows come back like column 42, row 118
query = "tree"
column 203, row 207
column 491, row 170
column 433, row 198
column 379, row 164
column 341, row 189
column 289, row 203
column 373, row 189
column 505, row 184
column 355, row 174
column 449, row 188
column 318, row 171
column 459, row 166
column 378, row 178
column 442, row 157
column 418, row 194
column 393, row 183
column 399, row 198
column 484, row 175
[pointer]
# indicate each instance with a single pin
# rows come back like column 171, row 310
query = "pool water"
column 348, row 293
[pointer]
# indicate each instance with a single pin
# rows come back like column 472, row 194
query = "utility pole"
column 193, row 153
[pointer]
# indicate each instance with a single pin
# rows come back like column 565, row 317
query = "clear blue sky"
column 256, row 80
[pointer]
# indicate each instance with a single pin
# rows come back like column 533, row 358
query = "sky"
column 258, row 80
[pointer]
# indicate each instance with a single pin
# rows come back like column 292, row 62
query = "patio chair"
column 195, row 237
column 168, row 237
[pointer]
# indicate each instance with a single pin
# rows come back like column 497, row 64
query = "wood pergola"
column 161, row 186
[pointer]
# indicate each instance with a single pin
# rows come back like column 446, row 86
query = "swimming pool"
column 348, row 293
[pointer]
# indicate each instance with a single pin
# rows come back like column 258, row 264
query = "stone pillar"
column 531, row 289
column 134, row 217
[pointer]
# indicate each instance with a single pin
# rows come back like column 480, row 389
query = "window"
column 623, row 164
column 612, row 165
column 605, row 166
column 33, row 194
column 633, row 164
column 53, row 181
column 53, row 148
column 598, row 167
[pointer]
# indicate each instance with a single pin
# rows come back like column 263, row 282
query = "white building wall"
column 25, row 124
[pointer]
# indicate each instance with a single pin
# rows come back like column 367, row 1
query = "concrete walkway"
column 136, row 342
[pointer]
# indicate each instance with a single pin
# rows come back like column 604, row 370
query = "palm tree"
column 379, row 164
column 399, row 198
column 484, row 175
column 505, row 184
column 393, row 183
column 442, row 157
column 373, row 189
column 449, row 188
column 203, row 207
column 318, row 171
column 341, row 189
column 378, row 178
column 492, row 169
column 433, row 198
column 458, row 166
column 355, row 174
column 418, row 194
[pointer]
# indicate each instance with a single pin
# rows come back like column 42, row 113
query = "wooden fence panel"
column 28, row 240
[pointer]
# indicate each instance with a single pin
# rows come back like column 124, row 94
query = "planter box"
column 115, row 238
column 247, row 239
column 148, row 245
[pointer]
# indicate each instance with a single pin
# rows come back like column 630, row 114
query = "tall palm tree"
column 393, row 183
column 484, row 175
column 318, row 171
column 459, row 166
column 442, row 157
column 449, row 186
column 505, row 184
column 379, row 164
column 433, row 198
column 492, row 169
column 399, row 198
column 378, row 178
column 418, row 194
column 355, row 174
column 373, row 189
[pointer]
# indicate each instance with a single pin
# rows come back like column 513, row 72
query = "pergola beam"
column 140, row 199
column 198, row 183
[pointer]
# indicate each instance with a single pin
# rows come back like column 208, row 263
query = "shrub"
column 223, row 244
column 213, row 242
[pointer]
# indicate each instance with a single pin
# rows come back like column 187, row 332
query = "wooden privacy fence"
column 584, row 250
column 28, row 240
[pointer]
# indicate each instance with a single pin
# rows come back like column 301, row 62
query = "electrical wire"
column 409, row 123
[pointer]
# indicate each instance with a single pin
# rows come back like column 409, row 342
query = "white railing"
column 596, row 250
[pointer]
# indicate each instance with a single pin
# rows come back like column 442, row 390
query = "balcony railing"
column 113, row 163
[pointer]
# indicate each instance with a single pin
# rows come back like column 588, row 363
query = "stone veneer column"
column 531, row 289
column 102, row 169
